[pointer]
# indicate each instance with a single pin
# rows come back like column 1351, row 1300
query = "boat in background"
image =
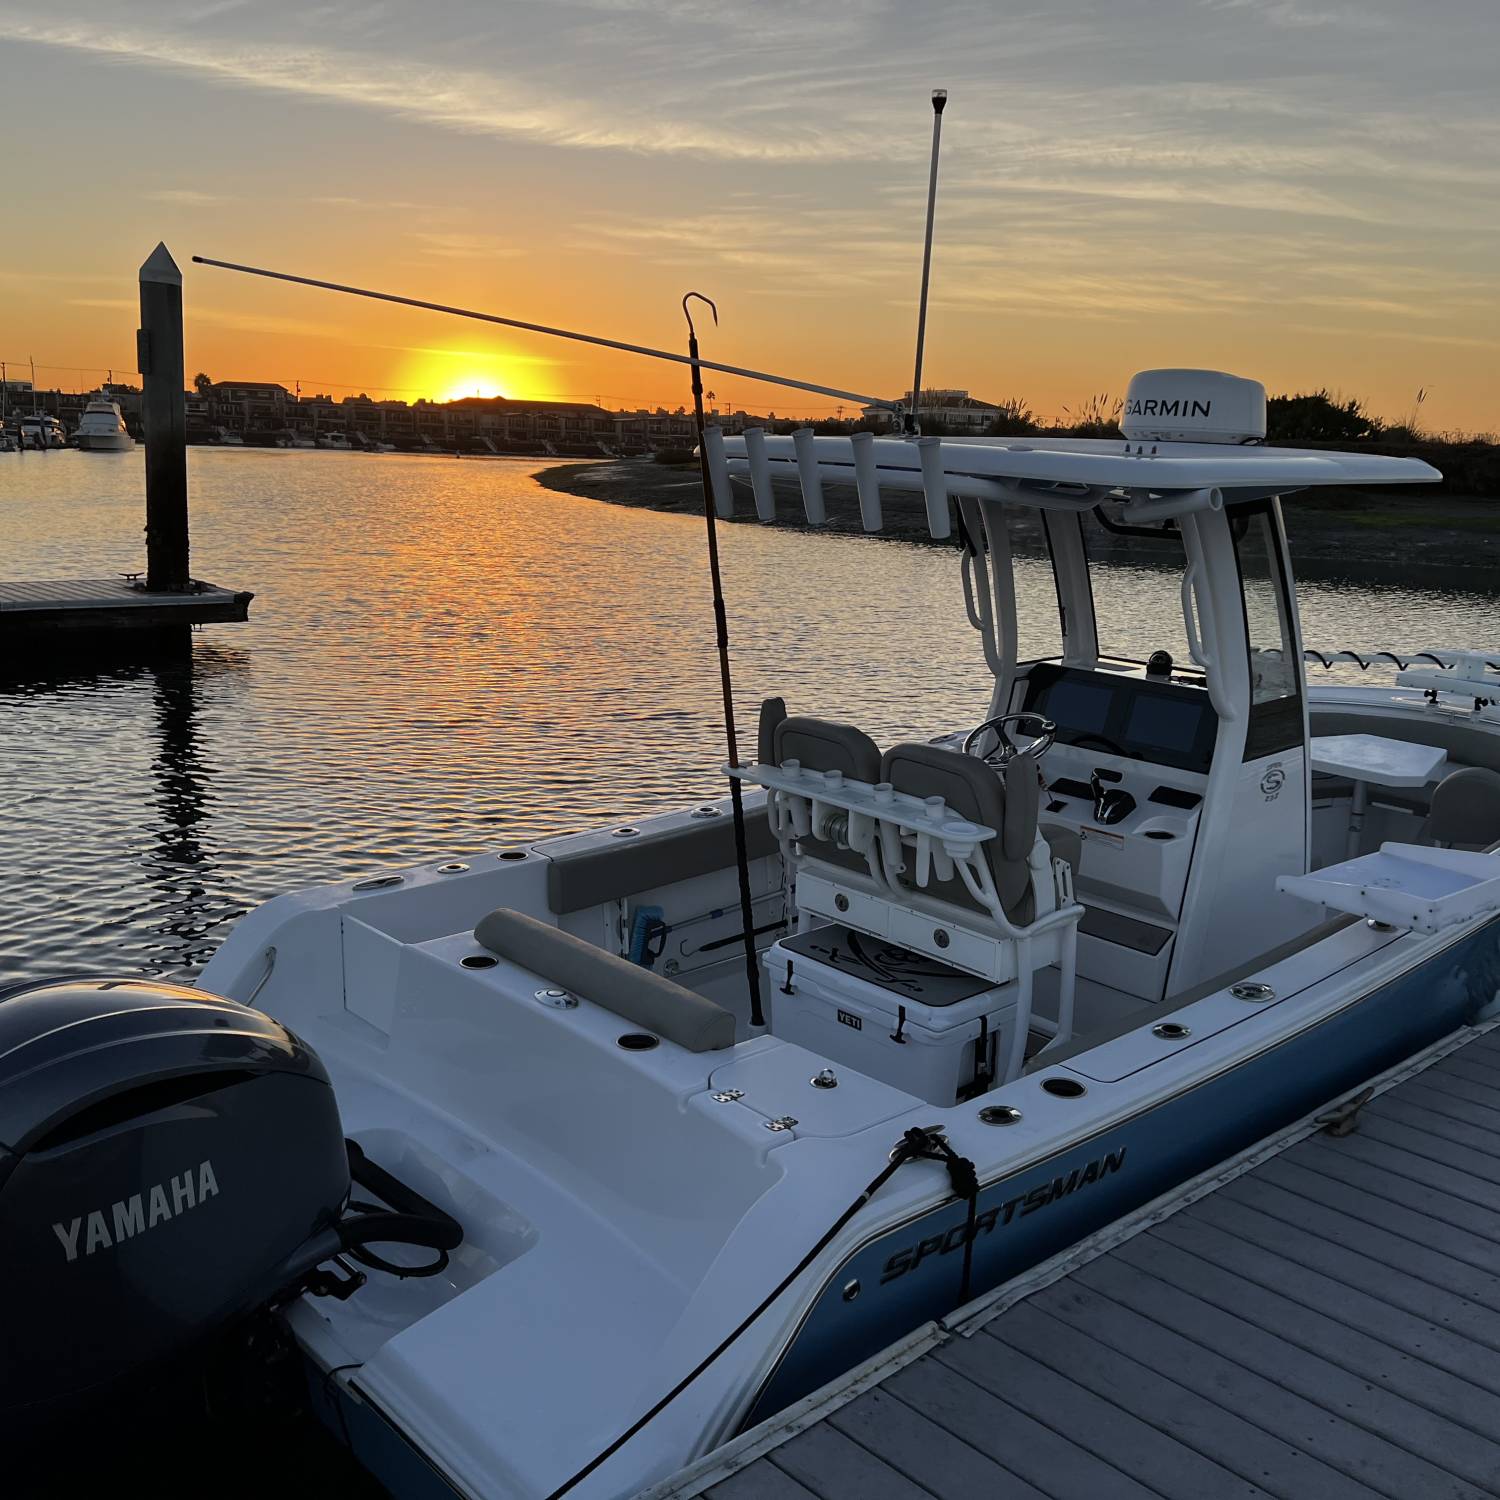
column 335, row 440
column 41, row 430
column 101, row 429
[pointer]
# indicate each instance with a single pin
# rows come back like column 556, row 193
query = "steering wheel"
column 1041, row 729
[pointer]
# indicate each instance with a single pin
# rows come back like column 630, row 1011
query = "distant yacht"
column 102, row 429
column 40, row 430
column 334, row 440
column 227, row 439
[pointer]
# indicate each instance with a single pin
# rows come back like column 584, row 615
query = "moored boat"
column 41, row 430
column 101, row 429
column 1004, row 984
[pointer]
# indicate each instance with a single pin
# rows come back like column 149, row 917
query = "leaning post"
column 164, row 416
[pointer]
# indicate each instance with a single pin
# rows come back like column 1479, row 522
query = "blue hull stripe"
column 911, row 1274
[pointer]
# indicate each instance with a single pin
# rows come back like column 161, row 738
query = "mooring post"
column 164, row 415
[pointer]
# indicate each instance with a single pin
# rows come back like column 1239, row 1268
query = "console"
column 1127, row 775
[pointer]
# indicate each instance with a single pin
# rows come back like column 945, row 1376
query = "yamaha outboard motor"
column 169, row 1162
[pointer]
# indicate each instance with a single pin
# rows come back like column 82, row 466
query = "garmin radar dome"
column 1194, row 406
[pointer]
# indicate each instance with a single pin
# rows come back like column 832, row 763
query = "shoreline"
column 1344, row 533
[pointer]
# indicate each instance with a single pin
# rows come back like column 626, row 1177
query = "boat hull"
column 910, row 1274
column 105, row 442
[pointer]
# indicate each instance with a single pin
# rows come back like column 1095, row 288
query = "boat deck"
column 1318, row 1318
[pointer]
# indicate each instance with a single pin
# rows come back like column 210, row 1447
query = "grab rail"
column 1401, row 660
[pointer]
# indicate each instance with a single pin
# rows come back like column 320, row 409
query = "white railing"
column 1402, row 661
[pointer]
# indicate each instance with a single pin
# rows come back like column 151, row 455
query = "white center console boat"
column 1009, row 983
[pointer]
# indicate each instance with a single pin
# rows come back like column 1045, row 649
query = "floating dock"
column 52, row 609
column 1319, row 1317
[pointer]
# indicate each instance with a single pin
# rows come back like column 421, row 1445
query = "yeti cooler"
column 894, row 1015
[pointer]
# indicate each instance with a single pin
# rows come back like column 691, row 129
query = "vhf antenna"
column 939, row 99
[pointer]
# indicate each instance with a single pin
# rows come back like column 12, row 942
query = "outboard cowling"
column 169, row 1161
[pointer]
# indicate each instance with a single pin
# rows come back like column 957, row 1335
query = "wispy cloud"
column 453, row 98
column 456, row 245
column 188, row 197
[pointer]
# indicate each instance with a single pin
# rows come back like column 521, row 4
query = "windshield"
column 1135, row 574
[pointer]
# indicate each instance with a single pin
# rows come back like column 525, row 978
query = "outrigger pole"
column 939, row 100
column 555, row 333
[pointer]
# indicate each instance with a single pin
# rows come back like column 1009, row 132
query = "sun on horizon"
column 478, row 385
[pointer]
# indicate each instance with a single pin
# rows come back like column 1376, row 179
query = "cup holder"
column 1063, row 1088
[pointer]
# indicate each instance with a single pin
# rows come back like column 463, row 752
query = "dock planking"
column 49, row 608
column 1322, row 1318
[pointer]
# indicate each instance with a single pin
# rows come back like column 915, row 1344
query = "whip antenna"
column 939, row 99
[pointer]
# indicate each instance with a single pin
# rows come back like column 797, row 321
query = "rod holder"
column 807, row 471
column 718, row 472
column 866, row 480
column 935, row 487
column 760, row 474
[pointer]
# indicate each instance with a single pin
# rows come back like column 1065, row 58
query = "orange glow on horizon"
column 442, row 373
column 473, row 386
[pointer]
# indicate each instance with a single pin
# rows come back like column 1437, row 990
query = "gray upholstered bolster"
column 631, row 992
column 583, row 874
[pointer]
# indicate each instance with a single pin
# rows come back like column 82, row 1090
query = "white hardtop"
column 1182, row 451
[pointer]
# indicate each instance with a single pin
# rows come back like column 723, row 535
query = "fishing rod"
column 939, row 101
column 556, row 333
column 726, row 684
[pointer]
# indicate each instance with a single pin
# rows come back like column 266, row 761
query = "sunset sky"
column 1304, row 191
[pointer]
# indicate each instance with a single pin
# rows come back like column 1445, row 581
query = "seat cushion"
column 975, row 791
column 1064, row 843
column 1465, row 811
column 822, row 745
column 772, row 717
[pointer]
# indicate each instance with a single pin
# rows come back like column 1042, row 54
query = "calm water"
column 443, row 657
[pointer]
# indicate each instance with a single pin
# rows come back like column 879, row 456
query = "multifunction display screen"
column 1160, row 722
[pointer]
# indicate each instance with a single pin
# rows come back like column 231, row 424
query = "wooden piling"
column 164, row 416
column 57, row 618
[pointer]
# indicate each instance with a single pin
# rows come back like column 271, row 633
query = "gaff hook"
column 688, row 297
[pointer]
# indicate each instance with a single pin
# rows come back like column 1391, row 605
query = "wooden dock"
column 1318, row 1318
column 52, row 609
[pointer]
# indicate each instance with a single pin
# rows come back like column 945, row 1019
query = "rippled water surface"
column 444, row 657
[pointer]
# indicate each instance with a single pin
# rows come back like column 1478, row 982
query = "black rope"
column 915, row 1145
